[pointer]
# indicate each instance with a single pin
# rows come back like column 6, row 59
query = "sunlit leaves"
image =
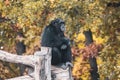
column 81, row 68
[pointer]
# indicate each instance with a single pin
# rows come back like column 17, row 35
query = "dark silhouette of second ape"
column 20, row 49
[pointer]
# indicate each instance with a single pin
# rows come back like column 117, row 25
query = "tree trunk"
column 92, row 60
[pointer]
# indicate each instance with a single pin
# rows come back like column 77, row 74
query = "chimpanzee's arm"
column 50, row 38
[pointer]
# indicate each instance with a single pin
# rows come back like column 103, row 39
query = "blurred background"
column 29, row 17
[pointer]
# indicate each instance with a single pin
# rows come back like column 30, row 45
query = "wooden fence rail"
column 41, row 64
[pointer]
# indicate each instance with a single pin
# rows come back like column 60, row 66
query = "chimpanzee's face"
column 59, row 24
column 62, row 27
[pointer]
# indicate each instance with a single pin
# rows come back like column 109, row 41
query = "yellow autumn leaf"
column 98, row 40
column 79, row 37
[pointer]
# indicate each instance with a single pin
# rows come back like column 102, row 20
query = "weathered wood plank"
column 41, row 63
column 27, row 77
column 45, row 63
column 13, row 58
column 60, row 74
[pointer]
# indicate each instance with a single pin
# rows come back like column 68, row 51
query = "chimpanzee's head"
column 59, row 24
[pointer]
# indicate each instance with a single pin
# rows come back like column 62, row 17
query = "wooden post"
column 60, row 74
column 45, row 71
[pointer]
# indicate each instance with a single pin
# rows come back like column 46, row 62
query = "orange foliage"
column 81, row 67
column 89, row 51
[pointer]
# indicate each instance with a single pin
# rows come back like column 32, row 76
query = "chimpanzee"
column 53, row 36
column 20, row 49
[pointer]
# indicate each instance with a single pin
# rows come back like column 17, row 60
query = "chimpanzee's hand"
column 63, row 46
column 67, row 41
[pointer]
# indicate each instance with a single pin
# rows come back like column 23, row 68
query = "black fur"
column 20, row 49
column 53, row 37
